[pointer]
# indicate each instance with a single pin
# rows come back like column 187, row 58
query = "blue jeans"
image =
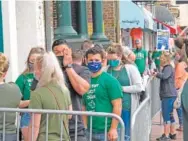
column 126, row 116
column 25, row 120
column 180, row 116
column 100, row 136
column 8, row 137
column 167, row 110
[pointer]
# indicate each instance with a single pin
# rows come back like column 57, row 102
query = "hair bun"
column 3, row 63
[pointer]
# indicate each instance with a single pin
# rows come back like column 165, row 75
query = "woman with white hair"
column 51, row 93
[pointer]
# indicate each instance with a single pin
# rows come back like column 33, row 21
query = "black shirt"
column 77, row 99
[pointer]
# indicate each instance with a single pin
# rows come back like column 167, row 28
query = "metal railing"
column 61, row 112
column 142, row 118
column 154, row 95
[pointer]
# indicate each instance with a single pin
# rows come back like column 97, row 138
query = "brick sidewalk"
column 157, row 129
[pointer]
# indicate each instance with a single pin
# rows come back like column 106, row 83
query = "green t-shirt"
column 122, row 77
column 156, row 56
column 24, row 82
column 10, row 98
column 104, row 89
column 141, row 56
column 42, row 98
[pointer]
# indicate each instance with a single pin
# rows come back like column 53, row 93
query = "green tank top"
column 122, row 76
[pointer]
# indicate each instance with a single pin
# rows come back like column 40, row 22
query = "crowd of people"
column 90, row 79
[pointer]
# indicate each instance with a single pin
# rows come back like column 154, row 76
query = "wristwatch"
column 68, row 66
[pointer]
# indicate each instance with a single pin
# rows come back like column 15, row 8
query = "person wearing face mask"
column 77, row 80
column 24, row 82
column 120, row 66
column 104, row 95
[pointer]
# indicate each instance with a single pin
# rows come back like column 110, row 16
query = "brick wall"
column 109, row 15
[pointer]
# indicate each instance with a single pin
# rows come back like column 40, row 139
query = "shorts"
column 25, row 120
column 167, row 110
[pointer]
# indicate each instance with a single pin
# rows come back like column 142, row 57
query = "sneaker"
column 180, row 128
column 172, row 137
column 163, row 138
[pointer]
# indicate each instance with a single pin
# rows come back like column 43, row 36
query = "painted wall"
column 183, row 20
column 30, row 28
column 23, row 28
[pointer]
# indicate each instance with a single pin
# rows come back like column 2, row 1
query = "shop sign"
column 163, row 37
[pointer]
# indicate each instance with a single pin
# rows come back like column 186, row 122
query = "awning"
column 164, row 15
column 172, row 29
column 132, row 16
column 151, row 24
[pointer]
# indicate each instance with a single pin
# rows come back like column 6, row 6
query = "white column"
column 30, row 28
column 10, row 37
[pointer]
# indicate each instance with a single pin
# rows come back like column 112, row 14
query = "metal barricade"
column 60, row 112
column 141, row 119
column 155, row 99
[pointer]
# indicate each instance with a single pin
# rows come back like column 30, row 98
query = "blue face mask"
column 94, row 66
column 113, row 63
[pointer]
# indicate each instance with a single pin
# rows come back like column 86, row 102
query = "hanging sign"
column 163, row 37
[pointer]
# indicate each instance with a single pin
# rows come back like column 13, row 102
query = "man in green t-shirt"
column 156, row 57
column 105, row 95
column 141, row 56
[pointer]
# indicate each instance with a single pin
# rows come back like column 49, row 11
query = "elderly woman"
column 51, row 93
column 168, row 95
column 120, row 65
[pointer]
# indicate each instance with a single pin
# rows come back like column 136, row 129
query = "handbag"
column 64, row 123
column 177, row 102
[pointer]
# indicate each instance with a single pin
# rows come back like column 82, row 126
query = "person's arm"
column 35, row 103
column 34, row 126
column 117, row 108
column 115, row 94
column 70, row 109
column 84, row 117
column 136, row 80
column 24, row 103
column 80, row 85
column 165, row 74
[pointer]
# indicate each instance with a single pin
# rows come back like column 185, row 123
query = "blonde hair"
column 34, row 50
column 4, row 64
column 116, row 48
column 166, row 57
column 50, row 71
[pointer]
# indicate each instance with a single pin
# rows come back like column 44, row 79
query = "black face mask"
column 60, row 59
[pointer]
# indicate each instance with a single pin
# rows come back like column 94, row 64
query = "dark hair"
column 87, row 44
column 59, row 42
column 77, row 55
column 97, row 49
